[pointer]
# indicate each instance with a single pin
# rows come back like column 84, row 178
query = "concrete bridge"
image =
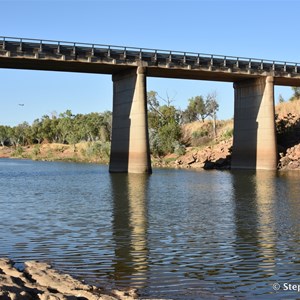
column 254, row 145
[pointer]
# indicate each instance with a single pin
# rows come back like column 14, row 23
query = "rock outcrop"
column 291, row 160
column 211, row 157
column 38, row 281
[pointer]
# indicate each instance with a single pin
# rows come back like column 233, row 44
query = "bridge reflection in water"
column 130, row 225
column 178, row 235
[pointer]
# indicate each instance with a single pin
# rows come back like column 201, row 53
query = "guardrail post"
column 198, row 60
column 155, row 56
column 21, row 45
column 74, row 49
column 170, row 57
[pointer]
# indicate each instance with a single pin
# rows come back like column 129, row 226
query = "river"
column 176, row 234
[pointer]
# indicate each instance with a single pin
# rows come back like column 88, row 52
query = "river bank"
column 38, row 281
column 215, row 156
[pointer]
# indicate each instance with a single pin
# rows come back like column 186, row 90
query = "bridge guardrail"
column 155, row 53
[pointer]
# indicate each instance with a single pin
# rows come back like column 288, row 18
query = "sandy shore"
column 38, row 281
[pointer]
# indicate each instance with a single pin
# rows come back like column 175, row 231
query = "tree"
column 281, row 99
column 296, row 94
column 212, row 107
column 197, row 105
column 164, row 125
column 4, row 134
column 37, row 131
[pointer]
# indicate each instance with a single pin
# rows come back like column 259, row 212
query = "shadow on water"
column 130, row 225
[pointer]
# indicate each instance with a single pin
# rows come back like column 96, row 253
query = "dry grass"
column 284, row 108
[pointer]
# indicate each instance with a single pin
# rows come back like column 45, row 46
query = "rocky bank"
column 38, row 281
column 291, row 159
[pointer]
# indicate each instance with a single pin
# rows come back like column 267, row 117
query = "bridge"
column 254, row 143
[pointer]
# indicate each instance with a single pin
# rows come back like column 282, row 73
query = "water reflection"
column 255, row 228
column 130, row 227
column 266, row 199
column 178, row 234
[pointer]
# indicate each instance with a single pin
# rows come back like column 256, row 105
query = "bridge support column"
column 254, row 137
column 130, row 151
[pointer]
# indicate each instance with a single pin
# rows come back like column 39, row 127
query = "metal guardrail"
column 142, row 52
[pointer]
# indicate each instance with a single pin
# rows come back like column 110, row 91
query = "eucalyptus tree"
column 4, row 134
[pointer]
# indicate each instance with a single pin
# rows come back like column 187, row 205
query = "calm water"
column 176, row 234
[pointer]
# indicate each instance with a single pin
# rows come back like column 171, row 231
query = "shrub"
column 18, row 152
column 228, row 134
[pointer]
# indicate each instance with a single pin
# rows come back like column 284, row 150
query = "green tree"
column 197, row 105
column 296, row 94
column 21, row 134
column 4, row 134
column 212, row 106
column 37, row 131
column 280, row 99
column 164, row 125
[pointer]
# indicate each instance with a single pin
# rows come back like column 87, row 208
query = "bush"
column 36, row 150
column 98, row 151
column 228, row 134
column 179, row 149
column 18, row 152
column 200, row 137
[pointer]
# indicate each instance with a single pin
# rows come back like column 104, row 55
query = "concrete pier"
column 130, row 151
column 254, row 138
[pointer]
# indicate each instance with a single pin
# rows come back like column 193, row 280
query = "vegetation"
column 94, row 129
column 65, row 129
column 164, row 125
column 175, row 135
column 199, row 109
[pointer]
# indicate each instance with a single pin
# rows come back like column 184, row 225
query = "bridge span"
column 254, row 145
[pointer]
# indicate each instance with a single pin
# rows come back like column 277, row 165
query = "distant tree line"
column 65, row 128
column 165, row 125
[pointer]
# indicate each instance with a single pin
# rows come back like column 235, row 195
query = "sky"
column 259, row 29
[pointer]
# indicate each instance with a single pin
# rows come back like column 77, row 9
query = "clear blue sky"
column 260, row 29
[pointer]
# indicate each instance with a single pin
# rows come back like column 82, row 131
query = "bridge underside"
column 163, row 70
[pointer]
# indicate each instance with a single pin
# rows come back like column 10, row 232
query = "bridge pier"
column 254, row 138
column 130, row 151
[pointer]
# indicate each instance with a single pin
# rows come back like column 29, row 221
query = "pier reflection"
column 130, row 226
column 255, row 214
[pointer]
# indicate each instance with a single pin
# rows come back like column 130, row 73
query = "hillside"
column 209, row 153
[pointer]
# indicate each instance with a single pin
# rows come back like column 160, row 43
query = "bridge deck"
column 33, row 54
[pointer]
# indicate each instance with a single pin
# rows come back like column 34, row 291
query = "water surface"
column 176, row 234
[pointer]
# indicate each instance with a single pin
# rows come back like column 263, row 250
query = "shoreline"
column 217, row 156
column 39, row 281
